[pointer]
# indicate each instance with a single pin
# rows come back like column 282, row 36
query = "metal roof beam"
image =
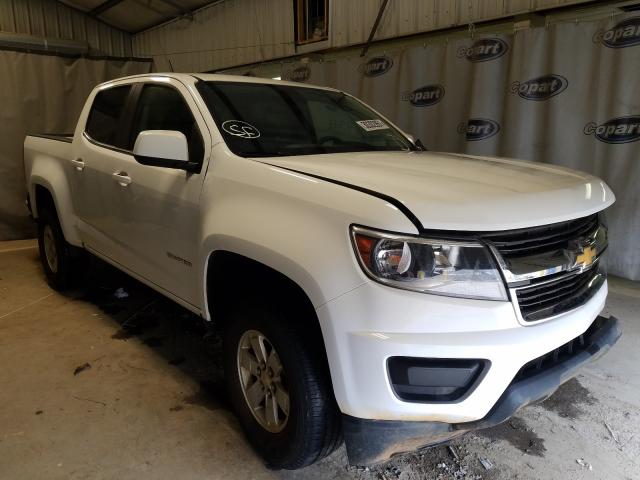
column 84, row 12
column 383, row 6
column 103, row 7
column 167, row 20
column 184, row 12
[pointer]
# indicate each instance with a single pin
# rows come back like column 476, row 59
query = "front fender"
column 298, row 226
column 267, row 256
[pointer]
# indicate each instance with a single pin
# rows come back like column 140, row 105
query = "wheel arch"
column 42, row 197
column 228, row 271
column 231, row 276
column 41, row 189
column 319, row 428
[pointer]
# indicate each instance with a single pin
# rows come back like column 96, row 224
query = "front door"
column 157, row 211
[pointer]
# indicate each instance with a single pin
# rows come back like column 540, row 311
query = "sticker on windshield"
column 240, row 129
column 371, row 125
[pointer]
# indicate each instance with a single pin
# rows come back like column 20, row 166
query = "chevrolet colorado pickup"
column 366, row 289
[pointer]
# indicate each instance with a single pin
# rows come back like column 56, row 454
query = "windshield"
column 266, row 120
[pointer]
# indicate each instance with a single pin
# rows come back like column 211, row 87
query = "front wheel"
column 280, row 388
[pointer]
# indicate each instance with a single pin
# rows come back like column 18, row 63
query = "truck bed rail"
column 61, row 137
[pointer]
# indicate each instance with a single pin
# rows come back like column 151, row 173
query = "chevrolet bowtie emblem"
column 585, row 259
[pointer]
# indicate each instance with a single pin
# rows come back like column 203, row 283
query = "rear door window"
column 106, row 114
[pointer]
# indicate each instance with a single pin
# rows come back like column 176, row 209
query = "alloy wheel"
column 263, row 381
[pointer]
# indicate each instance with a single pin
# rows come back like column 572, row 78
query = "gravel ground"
column 589, row 429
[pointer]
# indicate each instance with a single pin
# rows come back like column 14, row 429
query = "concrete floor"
column 95, row 386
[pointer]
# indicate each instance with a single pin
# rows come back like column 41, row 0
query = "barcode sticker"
column 370, row 125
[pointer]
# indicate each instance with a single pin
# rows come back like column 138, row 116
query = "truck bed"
column 61, row 137
column 53, row 153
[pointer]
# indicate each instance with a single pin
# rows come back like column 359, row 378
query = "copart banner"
column 568, row 95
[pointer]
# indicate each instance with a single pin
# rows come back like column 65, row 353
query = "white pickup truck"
column 366, row 289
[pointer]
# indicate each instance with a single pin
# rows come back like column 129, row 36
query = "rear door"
column 156, row 210
column 96, row 152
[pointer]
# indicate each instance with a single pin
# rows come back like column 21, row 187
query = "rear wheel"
column 280, row 388
column 55, row 252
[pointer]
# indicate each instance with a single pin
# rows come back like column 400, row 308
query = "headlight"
column 443, row 267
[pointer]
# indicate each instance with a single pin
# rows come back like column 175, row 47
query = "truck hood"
column 463, row 192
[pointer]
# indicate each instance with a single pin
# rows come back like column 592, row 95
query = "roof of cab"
column 211, row 77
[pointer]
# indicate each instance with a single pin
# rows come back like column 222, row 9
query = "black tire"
column 61, row 267
column 313, row 428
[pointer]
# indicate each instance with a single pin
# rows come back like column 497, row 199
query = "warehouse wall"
column 227, row 33
column 41, row 93
column 49, row 18
column 351, row 20
column 45, row 92
column 237, row 32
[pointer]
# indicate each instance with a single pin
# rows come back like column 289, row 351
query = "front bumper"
column 365, row 327
column 372, row 441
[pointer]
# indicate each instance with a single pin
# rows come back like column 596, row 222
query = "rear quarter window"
column 106, row 113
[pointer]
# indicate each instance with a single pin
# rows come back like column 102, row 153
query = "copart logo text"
column 624, row 34
column 424, row 96
column 484, row 49
column 616, row 130
column 300, row 74
column 478, row 129
column 540, row 88
column 376, row 66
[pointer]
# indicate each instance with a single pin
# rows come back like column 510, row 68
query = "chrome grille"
column 551, row 269
column 526, row 242
column 547, row 298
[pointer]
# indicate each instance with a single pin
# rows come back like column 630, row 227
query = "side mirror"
column 163, row 148
column 416, row 141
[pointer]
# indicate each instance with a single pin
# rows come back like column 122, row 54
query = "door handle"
column 122, row 178
column 78, row 163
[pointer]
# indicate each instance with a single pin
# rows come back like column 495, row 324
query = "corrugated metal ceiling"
column 51, row 19
column 134, row 16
